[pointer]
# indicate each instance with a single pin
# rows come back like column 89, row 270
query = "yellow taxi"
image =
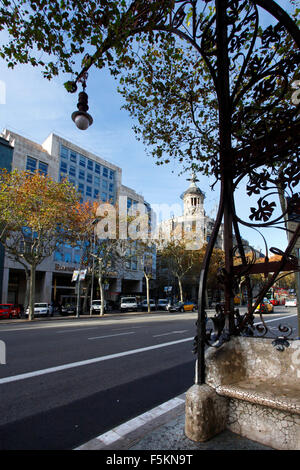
column 187, row 306
column 265, row 306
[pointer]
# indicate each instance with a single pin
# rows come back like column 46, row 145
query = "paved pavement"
column 162, row 428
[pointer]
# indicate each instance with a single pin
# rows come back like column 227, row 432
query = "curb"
column 127, row 434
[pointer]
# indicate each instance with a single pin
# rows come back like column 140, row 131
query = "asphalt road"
column 67, row 380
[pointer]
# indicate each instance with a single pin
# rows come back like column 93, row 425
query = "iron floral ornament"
column 254, row 135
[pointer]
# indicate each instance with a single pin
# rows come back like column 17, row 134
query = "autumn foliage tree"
column 35, row 217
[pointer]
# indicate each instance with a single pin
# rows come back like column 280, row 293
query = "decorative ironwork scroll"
column 257, row 129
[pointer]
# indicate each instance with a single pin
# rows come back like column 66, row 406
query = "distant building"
column 97, row 180
column 194, row 222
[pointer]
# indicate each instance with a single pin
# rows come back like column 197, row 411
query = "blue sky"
column 35, row 107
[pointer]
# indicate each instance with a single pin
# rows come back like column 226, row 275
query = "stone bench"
column 251, row 389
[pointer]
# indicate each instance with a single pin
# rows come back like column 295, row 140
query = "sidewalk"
column 162, row 428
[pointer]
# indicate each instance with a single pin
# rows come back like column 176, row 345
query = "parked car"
column 292, row 302
column 68, row 309
column 265, row 306
column 111, row 306
column 162, row 304
column 173, row 307
column 152, row 304
column 186, row 306
column 96, row 306
column 128, row 304
column 274, row 301
column 40, row 309
column 9, row 311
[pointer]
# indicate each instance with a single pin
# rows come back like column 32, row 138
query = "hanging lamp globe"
column 81, row 117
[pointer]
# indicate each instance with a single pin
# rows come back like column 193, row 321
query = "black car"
column 68, row 309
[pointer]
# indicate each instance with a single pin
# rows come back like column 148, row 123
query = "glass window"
column 111, row 174
column 81, row 188
column 82, row 161
column 68, row 258
column 58, row 256
column 31, row 164
column 97, row 168
column 81, row 175
column 104, row 197
column 64, row 151
column 104, row 184
column 43, row 168
column 89, row 178
column 72, row 171
column 134, row 264
column 63, row 167
column 90, row 165
column 73, row 156
column 77, row 257
column 111, row 187
column 89, row 191
column 105, row 172
column 96, row 193
column 97, row 180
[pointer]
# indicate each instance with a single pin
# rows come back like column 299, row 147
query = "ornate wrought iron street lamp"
column 214, row 40
column 81, row 117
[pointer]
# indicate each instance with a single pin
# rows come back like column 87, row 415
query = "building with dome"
column 194, row 226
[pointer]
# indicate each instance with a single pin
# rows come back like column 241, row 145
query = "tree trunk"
column 147, row 293
column 101, row 296
column 26, row 298
column 87, row 288
column 180, row 288
column 32, row 292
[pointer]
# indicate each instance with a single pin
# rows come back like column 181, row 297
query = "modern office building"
column 97, row 180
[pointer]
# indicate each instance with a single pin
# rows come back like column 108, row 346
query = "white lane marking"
column 110, row 336
column 276, row 319
column 122, row 430
column 78, row 329
column 50, row 370
column 170, row 333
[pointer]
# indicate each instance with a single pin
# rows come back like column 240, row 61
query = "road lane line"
column 71, row 330
column 110, row 336
column 170, row 333
column 50, row 370
column 276, row 319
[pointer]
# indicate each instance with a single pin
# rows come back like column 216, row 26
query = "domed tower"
column 193, row 199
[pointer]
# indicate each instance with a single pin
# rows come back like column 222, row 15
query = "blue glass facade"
column 93, row 180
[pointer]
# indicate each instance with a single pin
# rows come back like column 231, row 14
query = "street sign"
column 82, row 274
column 75, row 276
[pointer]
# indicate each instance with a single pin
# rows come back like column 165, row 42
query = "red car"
column 274, row 301
column 9, row 311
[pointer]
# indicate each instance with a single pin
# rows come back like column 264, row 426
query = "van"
column 128, row 304
column 96, row 306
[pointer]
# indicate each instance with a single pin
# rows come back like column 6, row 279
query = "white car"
column 96, row 306
column 40, row 309
column 151, row 304
column 291, row 303
column 128, row 303
column 162, row 304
